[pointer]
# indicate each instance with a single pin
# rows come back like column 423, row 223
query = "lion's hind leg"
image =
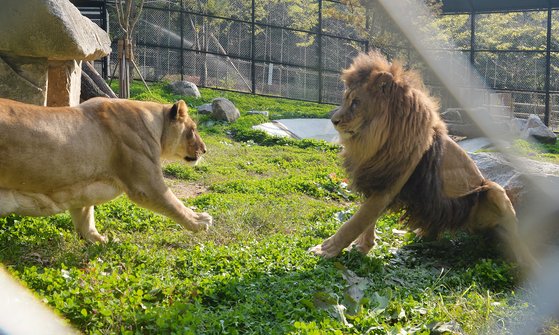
column 496, row 211
column 84, row 223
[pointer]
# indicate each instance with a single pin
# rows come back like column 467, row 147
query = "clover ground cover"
column 250, row 273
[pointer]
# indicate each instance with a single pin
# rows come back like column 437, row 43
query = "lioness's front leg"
column 84, row 223
column 163, row 201
column 364, row 218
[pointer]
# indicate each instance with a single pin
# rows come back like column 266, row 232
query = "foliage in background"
column 251, row 272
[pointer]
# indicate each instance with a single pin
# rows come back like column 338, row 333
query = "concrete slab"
column 475, row 144
column 319, row 129
column 273, row 129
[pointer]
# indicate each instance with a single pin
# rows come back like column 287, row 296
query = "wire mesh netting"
column 299, row 52
column 278, row 51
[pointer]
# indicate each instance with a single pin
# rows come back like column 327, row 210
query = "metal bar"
column 105, row 26
column 548, row 67
column 472, row 37
column 182, row 40
column 253, row 48
column 320, row 65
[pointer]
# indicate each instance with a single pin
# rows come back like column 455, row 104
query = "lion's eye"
column 355, row 103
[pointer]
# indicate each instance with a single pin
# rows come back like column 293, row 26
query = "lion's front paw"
column 364, row 243
column 327, row 249
column 203, row 221
column 361, row 247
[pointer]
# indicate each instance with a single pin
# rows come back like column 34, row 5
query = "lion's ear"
column 383, row 81
column 179, row 111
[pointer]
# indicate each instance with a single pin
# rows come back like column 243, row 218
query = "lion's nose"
column 335, row 119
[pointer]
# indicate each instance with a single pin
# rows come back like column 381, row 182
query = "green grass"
column 538, row 151
column 271, row 200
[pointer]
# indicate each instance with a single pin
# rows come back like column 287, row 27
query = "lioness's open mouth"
column 190, row 159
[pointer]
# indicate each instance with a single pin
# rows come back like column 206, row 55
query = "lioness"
column 54, row 159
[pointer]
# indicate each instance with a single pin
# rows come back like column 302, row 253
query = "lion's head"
column 386, row 120
column 180, row 137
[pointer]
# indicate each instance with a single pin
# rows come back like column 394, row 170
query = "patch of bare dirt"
column 183, row 189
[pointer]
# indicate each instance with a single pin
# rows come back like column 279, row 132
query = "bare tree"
column 128, row 13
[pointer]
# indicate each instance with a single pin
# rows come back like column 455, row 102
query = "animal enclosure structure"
column 260, row 47
column 294, row 51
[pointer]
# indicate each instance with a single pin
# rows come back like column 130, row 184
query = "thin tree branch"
column 137, row 17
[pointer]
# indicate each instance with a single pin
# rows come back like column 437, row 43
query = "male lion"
column 398, row 155
column 72, row 158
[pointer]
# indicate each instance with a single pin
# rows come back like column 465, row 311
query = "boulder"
column 533, row 188
column 24, row 79
column 460, row 124
column 52, row 29
column 264, row 113
column 224, row 110
column 453, row 115
column 42, row 45
column 205, row 109
column 494, row 166
column 534, row 128
column 185, row 88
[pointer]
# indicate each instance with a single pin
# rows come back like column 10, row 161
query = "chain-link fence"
column 257, row 46
column 516, row 53
column 280, row 49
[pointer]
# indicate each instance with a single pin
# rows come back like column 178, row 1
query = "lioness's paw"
column 327, row 249
column 95, row 237
column 203, row 222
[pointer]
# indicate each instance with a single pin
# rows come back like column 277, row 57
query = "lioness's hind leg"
column 84, row 223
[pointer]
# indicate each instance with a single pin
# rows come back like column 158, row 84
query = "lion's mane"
column 405, row 139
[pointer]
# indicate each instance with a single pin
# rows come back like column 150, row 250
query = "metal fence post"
column 182, row 40
column 472, row 36
column 547, row 111
column 253, row 48
column 320, row 84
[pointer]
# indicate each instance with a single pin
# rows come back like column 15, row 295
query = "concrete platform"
column 319, row 129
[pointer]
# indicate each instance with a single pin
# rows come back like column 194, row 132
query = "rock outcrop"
column 42, row 45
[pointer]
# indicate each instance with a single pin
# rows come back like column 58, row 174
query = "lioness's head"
column 180, row 138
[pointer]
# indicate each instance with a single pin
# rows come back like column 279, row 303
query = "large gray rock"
column 24, row 79
column 533, row 188
column 205, row 109
column 224, row 110
column 536, row 129
column 460, row 124
column 52, row 29
column 185, row 88
column 496, row 167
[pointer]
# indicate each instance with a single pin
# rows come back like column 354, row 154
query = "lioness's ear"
column 179, row 111
column 382, row 81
